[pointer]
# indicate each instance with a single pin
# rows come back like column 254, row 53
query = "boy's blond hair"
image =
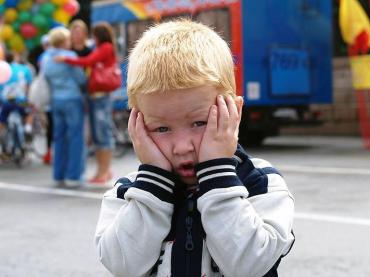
column 58, row 35
column 179, row 55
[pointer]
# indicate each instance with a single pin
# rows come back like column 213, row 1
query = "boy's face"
column 176, row 122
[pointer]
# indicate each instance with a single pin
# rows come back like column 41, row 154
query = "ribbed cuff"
column 217, row 173
column 157, row 181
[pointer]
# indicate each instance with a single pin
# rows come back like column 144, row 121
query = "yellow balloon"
column 10, row 15
column 16, row 43
column 24, row 5
column 6, row 32
column 59, row 2
column 61, row 16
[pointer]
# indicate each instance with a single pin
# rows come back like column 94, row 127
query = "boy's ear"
column 239, row 101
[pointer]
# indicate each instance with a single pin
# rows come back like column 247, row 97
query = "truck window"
column 134, row 31
column 177, row 16
column 218, row 19
column 120, row 35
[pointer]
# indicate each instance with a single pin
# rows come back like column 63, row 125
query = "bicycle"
column 120, row 116
column 37, row 144
column 19, row 146
column 13, row 140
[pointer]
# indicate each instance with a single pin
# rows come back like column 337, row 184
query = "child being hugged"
column 198, row 205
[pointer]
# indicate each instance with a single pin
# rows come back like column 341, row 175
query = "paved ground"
column 46, row 231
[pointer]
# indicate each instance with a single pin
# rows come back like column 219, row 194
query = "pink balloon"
column 5, row 72
column 28, row 30
column 71, row 7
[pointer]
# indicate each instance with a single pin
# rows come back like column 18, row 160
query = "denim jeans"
column 100, row 114
column 69, row 156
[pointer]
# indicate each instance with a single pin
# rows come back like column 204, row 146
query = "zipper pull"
column 189, row 244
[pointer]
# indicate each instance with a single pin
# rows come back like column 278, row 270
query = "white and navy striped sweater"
column 238, row 223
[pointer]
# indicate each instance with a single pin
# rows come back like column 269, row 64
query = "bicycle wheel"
column 38, row 140
column 120, row 133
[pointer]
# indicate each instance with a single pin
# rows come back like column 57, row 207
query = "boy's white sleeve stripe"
column 216, row 173
column 154, row 182
column 168, row 181
column 235, row 157
column 215, row 168
column 222, row 174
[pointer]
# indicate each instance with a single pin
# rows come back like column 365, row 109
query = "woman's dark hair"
column 103, row 32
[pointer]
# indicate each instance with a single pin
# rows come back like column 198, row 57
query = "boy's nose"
column 182, row 144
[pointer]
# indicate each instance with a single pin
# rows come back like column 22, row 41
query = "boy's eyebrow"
column 198, row 110
column 152, row 119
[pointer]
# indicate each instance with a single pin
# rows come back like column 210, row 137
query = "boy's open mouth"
column 186, row 169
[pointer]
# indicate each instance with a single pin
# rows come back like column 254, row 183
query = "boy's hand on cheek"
column 220, row 138
column 145, row 148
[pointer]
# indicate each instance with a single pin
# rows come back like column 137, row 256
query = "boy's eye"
column 199, row 123
column 161, row 129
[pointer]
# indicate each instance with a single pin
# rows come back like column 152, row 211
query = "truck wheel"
column 252, row 139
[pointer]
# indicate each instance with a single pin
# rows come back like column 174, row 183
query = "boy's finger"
column 132, row 122
column 223, row 114
column 212, row 120
column 231, row 106
column 139, row 124
column 141, row 129
column 233, row 111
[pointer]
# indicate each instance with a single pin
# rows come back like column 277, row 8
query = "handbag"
column 105, row 78
column 39, row 92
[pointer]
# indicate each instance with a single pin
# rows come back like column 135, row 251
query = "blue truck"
column 282, row 51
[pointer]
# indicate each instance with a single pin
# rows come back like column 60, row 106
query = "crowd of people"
column 67, row 62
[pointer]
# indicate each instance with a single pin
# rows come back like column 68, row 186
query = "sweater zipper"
column 189, row 244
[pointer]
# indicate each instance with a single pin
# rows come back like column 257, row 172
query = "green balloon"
column 37, row 40
column 30, row 44
column 2, row 9
column 47, row 9
column 44, row 30
column 24, row 16
column 16, row 25
column 40, row 21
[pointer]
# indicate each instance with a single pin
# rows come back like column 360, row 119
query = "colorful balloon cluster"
column 25, row 21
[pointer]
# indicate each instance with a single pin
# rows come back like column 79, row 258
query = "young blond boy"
column 198, row 205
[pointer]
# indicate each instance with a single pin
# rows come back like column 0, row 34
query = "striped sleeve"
column 217, row 173
column 157, row 181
